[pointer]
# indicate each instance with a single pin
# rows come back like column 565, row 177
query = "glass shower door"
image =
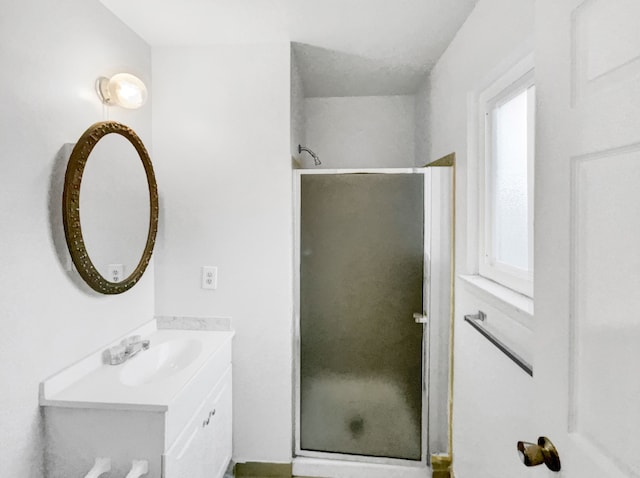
column 361, row 280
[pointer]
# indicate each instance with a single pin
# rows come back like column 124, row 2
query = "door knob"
column 544, row 452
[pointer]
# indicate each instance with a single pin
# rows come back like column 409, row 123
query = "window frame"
column 519, row 78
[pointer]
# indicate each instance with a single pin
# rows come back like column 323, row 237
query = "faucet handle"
column 115, row 355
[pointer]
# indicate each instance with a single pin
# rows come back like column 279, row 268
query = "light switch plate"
column 209, row 277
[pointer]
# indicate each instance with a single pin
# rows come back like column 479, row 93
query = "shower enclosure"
column 360, row 353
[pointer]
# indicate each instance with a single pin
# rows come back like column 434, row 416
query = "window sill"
column 513, row 304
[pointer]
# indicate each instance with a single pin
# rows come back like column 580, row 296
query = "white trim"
column 327, row 459
column 428, row 311
column 509, row 314
column 515, row 305
column 296, row 309
column 519, row 78
column 508, row 78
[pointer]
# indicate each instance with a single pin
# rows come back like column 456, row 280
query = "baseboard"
column 271, row 470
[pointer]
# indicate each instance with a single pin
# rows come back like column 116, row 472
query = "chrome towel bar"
column 476, row 321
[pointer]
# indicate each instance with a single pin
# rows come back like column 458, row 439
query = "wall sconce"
column 123, row 90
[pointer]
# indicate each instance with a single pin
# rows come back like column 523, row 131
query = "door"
column 361, row 270
column 587, row 235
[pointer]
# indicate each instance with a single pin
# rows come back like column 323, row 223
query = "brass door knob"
column 544, row 452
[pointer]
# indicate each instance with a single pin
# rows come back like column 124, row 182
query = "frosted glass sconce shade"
column 123, row 90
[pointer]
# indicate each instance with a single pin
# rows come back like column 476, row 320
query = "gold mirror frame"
column 71, row 207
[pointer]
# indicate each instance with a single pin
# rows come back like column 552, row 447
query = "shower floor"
column 358, row 416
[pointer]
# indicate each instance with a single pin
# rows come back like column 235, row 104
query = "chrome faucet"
column 128, row 348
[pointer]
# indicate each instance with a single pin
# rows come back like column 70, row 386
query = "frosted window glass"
column 510, row 184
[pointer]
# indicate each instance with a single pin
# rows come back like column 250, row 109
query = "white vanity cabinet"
column 178, row 416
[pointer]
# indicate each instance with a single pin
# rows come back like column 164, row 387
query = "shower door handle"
column 420, row 318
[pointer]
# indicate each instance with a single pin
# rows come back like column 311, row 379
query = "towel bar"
column 476, row 322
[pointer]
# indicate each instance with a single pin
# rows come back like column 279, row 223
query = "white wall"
column 422, row 133
column 221, row 127
column 298, row 135
column 492, row 396
column 361, row 131
column 51, row 54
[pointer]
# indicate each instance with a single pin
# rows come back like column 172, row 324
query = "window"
column 506, row 180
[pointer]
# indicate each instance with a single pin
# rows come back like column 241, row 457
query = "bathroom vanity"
column 169, row 405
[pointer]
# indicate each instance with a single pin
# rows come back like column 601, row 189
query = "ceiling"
column 342, row 47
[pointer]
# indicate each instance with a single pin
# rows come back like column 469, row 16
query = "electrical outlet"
column 209, row 277
column 115, row 272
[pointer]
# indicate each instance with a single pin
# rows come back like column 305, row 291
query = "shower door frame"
column 424, row 426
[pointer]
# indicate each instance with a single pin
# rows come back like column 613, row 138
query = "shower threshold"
column 345, row 466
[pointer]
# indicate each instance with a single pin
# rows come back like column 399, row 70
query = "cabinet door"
column 203, row 449
column 218, row 434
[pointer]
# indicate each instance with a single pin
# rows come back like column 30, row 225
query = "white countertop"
column 92, row 384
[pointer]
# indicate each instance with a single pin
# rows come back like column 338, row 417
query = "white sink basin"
column 176, row 373
column 160, row 361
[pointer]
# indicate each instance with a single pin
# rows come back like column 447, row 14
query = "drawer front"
column 203, row 449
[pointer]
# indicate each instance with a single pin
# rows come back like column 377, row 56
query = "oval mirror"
column 110, row 207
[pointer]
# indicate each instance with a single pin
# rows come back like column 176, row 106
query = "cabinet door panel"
column 203, row 448
column 219, row 431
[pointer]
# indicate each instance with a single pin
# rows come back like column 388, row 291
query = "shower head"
column 316, row 160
